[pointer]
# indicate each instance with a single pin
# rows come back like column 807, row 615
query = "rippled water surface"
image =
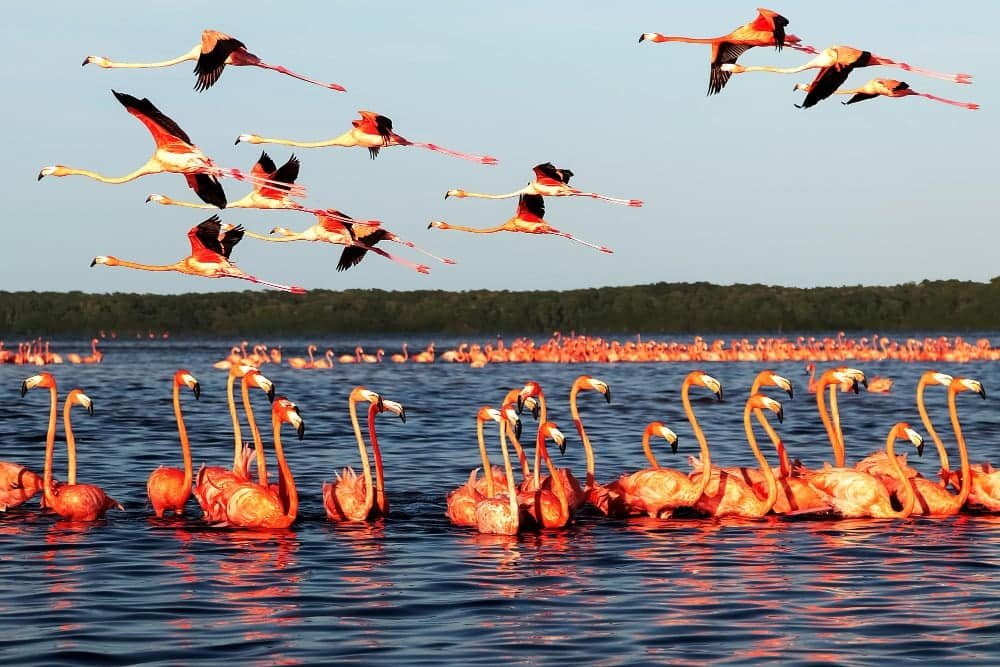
column 415, row 590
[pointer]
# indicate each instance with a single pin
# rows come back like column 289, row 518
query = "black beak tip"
column 536, row 412
column 446, row 195
column 93, row 262
column 301, row 430
column 920, row 449
column 790, row 393
column 562, row 447
column 642, row 37
column 982, row 393
column 270, row 394
column 40, row 175
column 402, row 415
column 607, row 395
column 85, row 61
column 517, row 430
column 856, row 388
column 24, row 388
column 865, row 383
column 781, row 416
column 718, row 395
column 520, row 404
column 196, row 389
column 673, row 447
column 90, row 409
column 235, row 143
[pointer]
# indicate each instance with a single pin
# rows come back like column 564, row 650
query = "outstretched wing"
column 265, row 166
column 287, row 173
column 208, row 188
column 547, row 170
column 531, row 205
column 825, row 84
column 726, row 53
column 162, row 127
column 860, row 97
column 779, row 31
column 230, row 238
column 216, row 47
column 205, row 236
column 337, row 224
column 352, row 255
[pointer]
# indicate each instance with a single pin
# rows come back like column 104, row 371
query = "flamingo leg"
column 957, row 78
column 293, row 190
column 410, row 244
column 284, row 70
column 340, row 218
column 613, row 200
column 566, row 235
column 294, row 289
column 419, row 268
column 964, row 105
column 482, row 159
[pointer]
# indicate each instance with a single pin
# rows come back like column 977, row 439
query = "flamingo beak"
column 196, row 390
column 85, row 61
column 607, row 395
column 781, row 415
column 562, row 446
column 520, row 404
column 270, row 393
column 90, row 408
column 536, row 411
column 517, row 429
column 40, row 175
column 856, row 387
column 982, row 393
column 446, row 195
column 24, row 388
column 402, row 415
column 718, row 395
column 301, row 430
column 673, row 447
column 93, row 262
column 236, row 143
column 642, row 38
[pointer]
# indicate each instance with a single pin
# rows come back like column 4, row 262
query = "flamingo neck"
column 825, row 417
column 50, row 443
column 148, row 168
column 587, row 448
column 258, row 444
column 911, row 497
column 288, row 483
column 70, row 444
column 835, row 418
column 511, row 489
column 475, row 230
column 237, row 433
column 381, row 501
column 772, row 483
column 559, row 486
column 963, row 492
column 177, row 266
column 345, row 140
column 687, row 40
column 365, row 465
column 926, row 420
column 190, row 55
column 182, row 433
column 653, row 463
column 706, row 457
column 490, row 488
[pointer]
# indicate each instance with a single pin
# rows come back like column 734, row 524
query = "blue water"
column 414, row 590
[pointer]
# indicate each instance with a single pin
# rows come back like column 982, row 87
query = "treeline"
column 948, row 305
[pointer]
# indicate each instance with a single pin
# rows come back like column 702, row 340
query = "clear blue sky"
column 739, row 187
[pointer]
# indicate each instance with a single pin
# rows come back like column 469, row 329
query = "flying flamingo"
column 209, row 258
column 170, row 488
column 548, row 508
column 76, row 502
column 175, row 153
column 528, row 219
column 835, row 64
column 358, row 236
column 501, row 514
column 855, row 494
column 462, row 501
column 768, row 29
column 351, row 497
column 254, row 506
column 216, row 50
column 372, row 131
column 549, row 181
column 888, row 88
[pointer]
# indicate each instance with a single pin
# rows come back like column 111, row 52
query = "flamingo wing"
column 285, row 177
column 264, row 166
column 531, row 206
column 352, row 255
column 208, row 188
column 779, row 31
column 726, row 53
column 547, row 170
column 830, row 79
column 205, row 236
column 164, row 129
column 230, row 238
column 861, row 97
column 216, row 47
column 337, row 225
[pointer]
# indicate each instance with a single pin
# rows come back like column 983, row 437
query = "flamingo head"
column 160, row 199
column 361, row 394
column 184, row 378
column 249, row 138
column 395, row 408
column 100, row 61
column 486, row 414
column 772, row 379
column 52, row 170
column 658, row 428
column 531, row 389
column 651, row 36
column 933, row 377
column 733, row 68
column 77, row 397
column 803, row 87
column 103, row 259
column 240, row 369
column 283, row 410
column 509, row 412
column 455, row 193
column 254, row 378
column 44, row 380
column 587, row 382
column 968, row 384
column 707, row 381
column 903, row 430
column 762, row 402
column 437, row 224
column 533, row 406
column 551, row 431
column 853, row 374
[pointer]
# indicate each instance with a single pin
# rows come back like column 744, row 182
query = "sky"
column 740, row 187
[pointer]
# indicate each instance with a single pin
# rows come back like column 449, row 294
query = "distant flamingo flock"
column 275, row 188
column 539, row 495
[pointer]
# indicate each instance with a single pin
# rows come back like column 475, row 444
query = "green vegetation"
column 948, row 305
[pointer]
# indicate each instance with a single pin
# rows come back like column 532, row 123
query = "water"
column 415, row 590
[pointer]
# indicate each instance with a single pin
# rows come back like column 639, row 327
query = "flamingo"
column 528, row 219
column 372, row 131
column 76, row 502
column 592, row 492
column 462, row 501
column 500, row 514
column 17, row 485
column 549, row 508
column 175, row 153
column 358, row 236
column 624, row 492
column 400, row 358
column 381, row 508
column 300, row 363
column 253, row 506
column 767, row 29
column 888, row 88
column 170, row 488
column 216, row 50
column 832, row 378
column 326, row 361
column 549, row 181
column 880, row 385
column 425, row 356
column 835, row 64
column 351, row 497
column 856, row 494
column 209, row 258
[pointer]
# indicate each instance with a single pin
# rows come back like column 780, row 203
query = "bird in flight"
column 888, row 88
column 550, row 181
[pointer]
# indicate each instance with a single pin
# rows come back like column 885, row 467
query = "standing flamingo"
column 170, row 488
column 549, row 181
column 888, row 88
column 175, row 153
column 592, row 492
column 857, row 494
column 624, row 492
column 76, row 502
column 548, row 507
column 400, row 358
column 501, row 514
column 835, row 64
column 528, row 219
column 372, row 131
column 768, row 29
column 462, row 501
column 381, row 508
column 209, row 258
column 216, row 50
column 254, row 506
column 351, row 497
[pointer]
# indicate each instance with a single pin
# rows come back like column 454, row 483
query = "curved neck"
column 237, row 432
column 148, row 168
column 835, row 418
column 190, row 55
column 905, row 482
column 706, row 458
column 178, row 266
column 490, row 488
column 963, row 492
column 365, row 464
column 258, row 444
column 70, row 444
column 511, row 489
column 182, row 432
column 838, row 458
column 342, row 140
column 653, row 463
column 380, row 498
column 591, row 481
column 926, row 420
column 286, row 474
column 476, row 230
column 558, row 482
column 772, row 483
column 50, row 443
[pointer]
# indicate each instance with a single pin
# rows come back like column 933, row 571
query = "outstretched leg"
column 411, row 244
column 565, row 235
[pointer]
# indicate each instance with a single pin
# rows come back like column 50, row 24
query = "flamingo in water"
column 500, row 514
column 170, row 488
column 888, row 88
column 549, row 181
column 835, row 64
column 548, row 507
column 175, row 153
column 216, row 50
column 462, row 501
column 209, row 258
column 372, row 131
column 767, row 29
column 76, row 502
column 528, row 219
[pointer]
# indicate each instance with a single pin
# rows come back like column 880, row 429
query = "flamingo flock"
column 39, row 353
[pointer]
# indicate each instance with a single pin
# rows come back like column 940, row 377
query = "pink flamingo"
column 170, row 488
